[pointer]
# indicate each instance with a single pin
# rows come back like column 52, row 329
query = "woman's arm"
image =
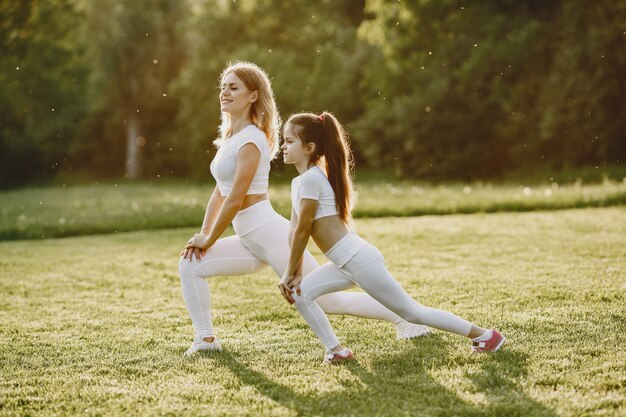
column 248, row 159
column 212, row 209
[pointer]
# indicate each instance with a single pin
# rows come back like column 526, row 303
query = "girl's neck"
column 304, row 166
column 238, row 123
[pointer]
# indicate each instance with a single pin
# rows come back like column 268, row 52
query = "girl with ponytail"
column 322, row 201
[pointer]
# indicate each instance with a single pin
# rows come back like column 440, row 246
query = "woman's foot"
column 201, row 344
column 406, row 330
column 490, row 341
column 334, row 357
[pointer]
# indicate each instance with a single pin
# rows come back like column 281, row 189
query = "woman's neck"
column 238, row 123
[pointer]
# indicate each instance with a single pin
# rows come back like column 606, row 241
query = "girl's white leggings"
column 261, row 239
column 354, row 261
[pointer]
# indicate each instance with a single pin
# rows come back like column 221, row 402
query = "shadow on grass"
column 403, row 384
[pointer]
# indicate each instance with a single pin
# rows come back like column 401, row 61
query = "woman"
column 248, row 142
column 322, row 203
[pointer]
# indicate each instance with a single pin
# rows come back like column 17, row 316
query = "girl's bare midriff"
column 327, row 231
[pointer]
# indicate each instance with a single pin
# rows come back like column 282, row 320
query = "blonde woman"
column 248, row 142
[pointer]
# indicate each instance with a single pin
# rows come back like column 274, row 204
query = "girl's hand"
column 295, row 283
column 285, row 289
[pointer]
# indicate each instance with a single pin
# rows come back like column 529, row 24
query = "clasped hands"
column 287, row 284
column 197, row 246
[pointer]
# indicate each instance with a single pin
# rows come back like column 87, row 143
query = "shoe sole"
column 341, row 359
column 218, row 349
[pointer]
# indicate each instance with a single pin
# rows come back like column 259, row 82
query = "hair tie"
column 321, row 117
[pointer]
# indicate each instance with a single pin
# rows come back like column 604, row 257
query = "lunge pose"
column 321, row 200
column 248, row 142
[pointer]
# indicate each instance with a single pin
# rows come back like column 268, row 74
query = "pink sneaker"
column 342, row 355
column 492, row 344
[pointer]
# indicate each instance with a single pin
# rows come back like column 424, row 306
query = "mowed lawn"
column 96, row 325
column 54, row 211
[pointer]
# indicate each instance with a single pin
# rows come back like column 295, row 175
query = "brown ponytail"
column 332, row 152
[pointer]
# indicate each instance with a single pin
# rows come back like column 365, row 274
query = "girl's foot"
column 334, row 357
column 490, row 341
column 406, row 330
column 200, row 344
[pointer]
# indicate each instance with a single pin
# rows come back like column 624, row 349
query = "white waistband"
column 345, row 249
column 253, row 217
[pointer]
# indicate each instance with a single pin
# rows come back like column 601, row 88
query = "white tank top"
column 225, row 161
column 314, row 184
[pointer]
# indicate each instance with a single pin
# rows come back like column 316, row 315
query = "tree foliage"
column 436, row 89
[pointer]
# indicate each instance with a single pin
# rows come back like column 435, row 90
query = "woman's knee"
column 416, row 314
column 187, row 269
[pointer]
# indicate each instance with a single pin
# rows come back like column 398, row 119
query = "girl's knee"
column 301, row 299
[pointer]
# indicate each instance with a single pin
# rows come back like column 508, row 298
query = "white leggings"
column 261, row 240
column 354, row 261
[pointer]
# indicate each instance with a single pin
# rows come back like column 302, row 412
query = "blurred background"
column 433, row 90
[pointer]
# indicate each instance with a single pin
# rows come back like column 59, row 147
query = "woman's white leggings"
column 354, row 261
column 261, row 239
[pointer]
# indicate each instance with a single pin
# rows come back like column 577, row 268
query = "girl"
column 322, row 203
column 248, row 142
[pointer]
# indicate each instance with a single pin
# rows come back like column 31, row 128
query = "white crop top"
column 225, row 161
column 313, row 184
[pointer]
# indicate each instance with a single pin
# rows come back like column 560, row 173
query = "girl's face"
column 294, row 150
column 235, row 98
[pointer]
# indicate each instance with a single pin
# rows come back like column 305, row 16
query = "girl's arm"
column 292, row 228
column 299, row 239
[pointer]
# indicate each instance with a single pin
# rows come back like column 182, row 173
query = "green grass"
column 96, row 325
column 35, row 213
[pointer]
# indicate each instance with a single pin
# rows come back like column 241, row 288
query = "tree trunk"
column 133, row 156
column 133, row 168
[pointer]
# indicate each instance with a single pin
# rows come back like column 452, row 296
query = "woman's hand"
column 196, row 246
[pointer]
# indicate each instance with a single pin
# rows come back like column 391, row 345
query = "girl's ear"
column 254, row 96
column 310, row 147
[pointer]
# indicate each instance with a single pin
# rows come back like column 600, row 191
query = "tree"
column 135, row 54
column 41, row 82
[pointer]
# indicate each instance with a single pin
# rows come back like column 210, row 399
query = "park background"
column 489, row 138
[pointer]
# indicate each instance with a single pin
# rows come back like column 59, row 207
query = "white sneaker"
column 199, row 344
column 406, row 330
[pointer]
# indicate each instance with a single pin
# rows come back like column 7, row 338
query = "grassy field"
column 35, row 213
column 96, row 325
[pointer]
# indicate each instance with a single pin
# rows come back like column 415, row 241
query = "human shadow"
column 401, row 384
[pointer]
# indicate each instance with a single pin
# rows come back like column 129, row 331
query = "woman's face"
column 235, row 98
column 294, row 151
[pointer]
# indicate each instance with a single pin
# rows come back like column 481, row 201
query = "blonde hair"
column 263, row 112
